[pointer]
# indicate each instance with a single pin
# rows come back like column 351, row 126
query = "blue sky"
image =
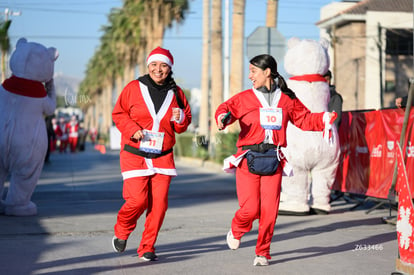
column 74, row 28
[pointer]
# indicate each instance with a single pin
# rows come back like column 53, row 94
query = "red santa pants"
column 52, row 144
column 73, row 141
column 259, row 198
column 63, row 145
column 142, row 193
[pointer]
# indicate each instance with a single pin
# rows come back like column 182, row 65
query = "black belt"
column 138, row 152
column 262, row 147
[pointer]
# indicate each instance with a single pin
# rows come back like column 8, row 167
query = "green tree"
column 5, row 46
column 132, row 31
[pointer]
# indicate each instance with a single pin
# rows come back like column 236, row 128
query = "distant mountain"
column 66, row 85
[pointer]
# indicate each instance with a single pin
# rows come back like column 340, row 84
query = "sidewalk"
column 79, row 195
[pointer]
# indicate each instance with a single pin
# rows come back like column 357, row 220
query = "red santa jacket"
column 72, row 129
column 135, row 111
column 245, row 107
column 57, row 130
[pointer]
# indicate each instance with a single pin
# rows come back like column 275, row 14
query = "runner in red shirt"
column 263, row 113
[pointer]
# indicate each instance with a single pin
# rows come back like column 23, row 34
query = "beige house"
column 371, row 50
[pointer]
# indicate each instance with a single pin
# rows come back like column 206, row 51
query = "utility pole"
column 271, row 14
column 226, row 80
column 205, row 74
column 271, row 20
column 380, row 49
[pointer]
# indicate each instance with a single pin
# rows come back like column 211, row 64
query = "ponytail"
column 284, row 88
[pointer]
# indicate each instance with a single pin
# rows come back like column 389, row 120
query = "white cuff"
column 182, row 116
column 221, row 116
column 326, row 118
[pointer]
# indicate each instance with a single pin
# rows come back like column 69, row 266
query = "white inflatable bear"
column 25, row 98
column 314, row 161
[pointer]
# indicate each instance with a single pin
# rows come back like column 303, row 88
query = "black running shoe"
column 118, row 244
column 149, row 256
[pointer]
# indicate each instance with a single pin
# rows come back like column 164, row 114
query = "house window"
column 389, row 86
column 399, row 42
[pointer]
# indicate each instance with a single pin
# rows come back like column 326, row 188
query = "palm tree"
column 216, row 65
column 150, row 20
column 271, row 13
column 5, row 46
column 237, row 49
column 205, row 73
column 132, row 30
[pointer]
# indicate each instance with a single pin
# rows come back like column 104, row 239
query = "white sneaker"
column 260, row 261
column 232, row 242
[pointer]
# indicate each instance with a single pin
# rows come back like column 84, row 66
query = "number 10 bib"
column 271, row 118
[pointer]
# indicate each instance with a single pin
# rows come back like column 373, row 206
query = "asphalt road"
column 79, row 195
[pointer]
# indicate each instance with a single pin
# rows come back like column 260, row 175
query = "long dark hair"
column 265, row 61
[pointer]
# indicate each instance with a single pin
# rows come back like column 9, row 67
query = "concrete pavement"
column 79, row 195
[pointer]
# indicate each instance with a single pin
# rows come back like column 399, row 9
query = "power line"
column 24, row 3
column 56, row 37
column 38, row 6
column 78, row 37
column 60, row 10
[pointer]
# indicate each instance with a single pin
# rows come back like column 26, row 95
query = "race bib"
column 152, row 142
column 271, row 118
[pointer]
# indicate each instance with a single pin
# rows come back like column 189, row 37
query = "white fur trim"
column 182, row 116
column 159, row 57
column 287, row 170
column 327, row 132
column 221, row 116
column 148, row 172
column 230, row 163
column 326, row 118
column 156, row 117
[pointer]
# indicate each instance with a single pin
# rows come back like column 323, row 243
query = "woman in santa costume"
column 73, row 133
column 263, row 113
column 58, row 133
column 64, row 136
column 148, row 113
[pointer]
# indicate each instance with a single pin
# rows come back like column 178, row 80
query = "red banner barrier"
column 405, row 220
column 368, row 141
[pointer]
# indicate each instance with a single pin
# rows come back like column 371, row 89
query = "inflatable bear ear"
column 292, row 42
column 54, row 54
column 324, row 43
column 21, row 41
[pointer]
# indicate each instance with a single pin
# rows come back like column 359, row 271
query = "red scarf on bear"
column 309, row 78
column 24, row 87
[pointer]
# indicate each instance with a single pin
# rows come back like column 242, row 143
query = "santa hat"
column 160, row 54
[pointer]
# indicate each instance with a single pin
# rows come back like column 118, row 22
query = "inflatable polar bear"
column 24, row 100
column 313, row 160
